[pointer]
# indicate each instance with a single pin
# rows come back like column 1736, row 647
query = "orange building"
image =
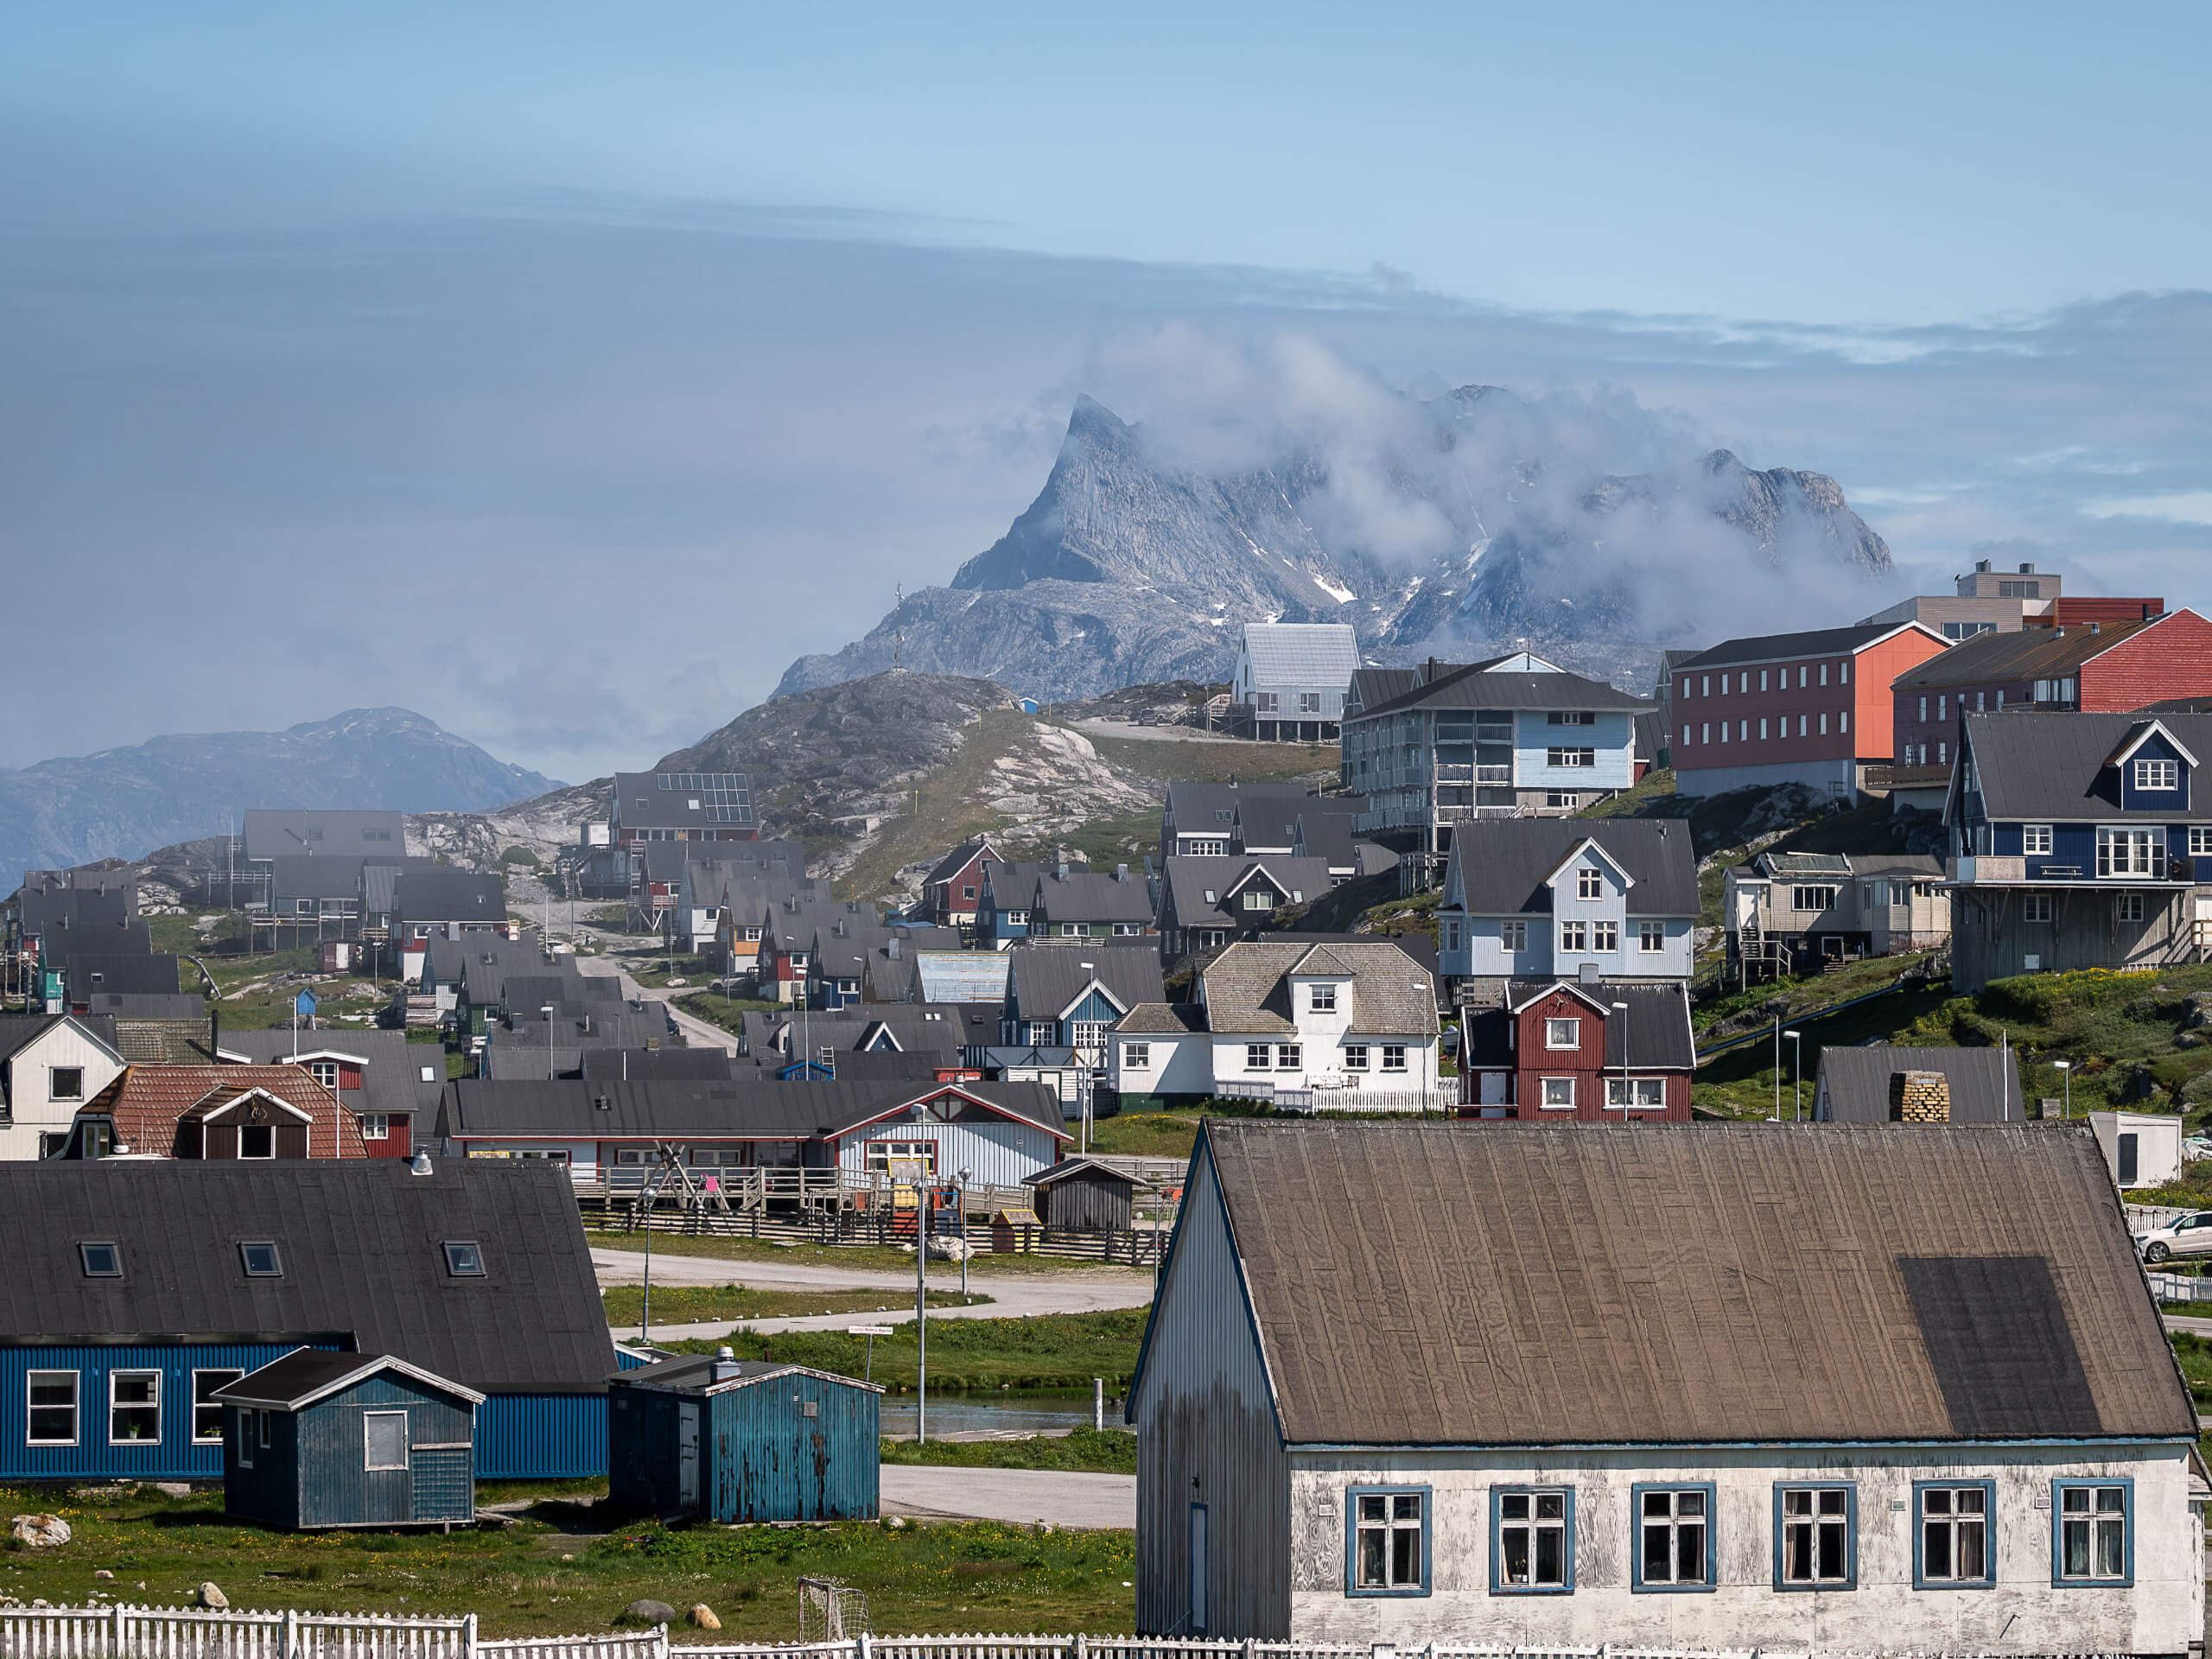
column 1811, row 709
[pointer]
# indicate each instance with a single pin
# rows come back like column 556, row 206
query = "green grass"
column 1642, row 801
column 1056, row 1353
column 2195, row 1354
column 1111, row 1452
column 939, row 1578
column 862, row 1256
column 695, row 1303
column 728, row 1012
column 1806, row 997
column 1148, row 1134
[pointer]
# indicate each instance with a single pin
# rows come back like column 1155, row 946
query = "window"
column 967, row 891
column 1637, row 1094
column 1354, row 1057
column 376, row 1125
column 1042, row 1032
column 1674, row 1544
column 2035, row 838
column 1071, row 929
column 1942, row 707
column 1309, row 702
column 2125, row 852
column 1388, row 1548
column 1087, row 1034
column 303, row 906
column 65, row 1083
column 1705, row 731
column 1562, row 1033
column 1589, row 884
column 2158, row 774
column 52, row 1396
column 207, row 1411
column 1324, row 999
column 324, row 1072
column 1815, row 1541
column 1127, row 930
column 1650, row 937
column 1136, row 1056
column 1264, row 702
column 101, row 1260
column 2129, row 907
column 1824, row 673
column 256, row 1141
column 2200, row 841
column 2036, row 907
column 1685, row 737
column 1980, row 702
column 1951, row 1547
column 464, row 1258
column 1812, row 899
column 1824, row 727
column 1604, row 936
column 1512, row 936
column 1744, row 681
column 1724, row 731
column 1451, row 936
column 261, row 1260
column 134, row 1406
column 383, row 1440
column 1259, row 899
column 1570, row 757
column 1394, row 1057
column 1763, row 674
column 1742, row 731
column 1560, row 797
column 1532, row 1539
column 1572, row 717
column 1924, row 709
column 1762, row 729
column 1705, row 685
column 881, row 1155
column 1943, row 755
column 246, row 1414
column 1288, row 1056
column 2092, row 1544
column 1804, row 724
column 1574, row 936
column 1257, row 1055
column 1559, row 1094
column 1842, row 720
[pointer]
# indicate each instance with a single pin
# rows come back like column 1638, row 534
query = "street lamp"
column 547, row 1012
column 1628, row 1088
column 1796, row 1075
column 963, row 1233
column 2065, row 1070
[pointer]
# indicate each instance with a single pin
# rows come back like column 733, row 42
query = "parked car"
column 2188, row 1235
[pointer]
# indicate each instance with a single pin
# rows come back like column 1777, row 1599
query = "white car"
column 2188, row 1235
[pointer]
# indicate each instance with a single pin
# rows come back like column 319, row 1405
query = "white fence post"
column 468, row 1636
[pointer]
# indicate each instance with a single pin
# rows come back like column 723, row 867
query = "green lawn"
column 1056, row 1353
column 1111, row 1452
column 569, row 1568
column 695, row 1303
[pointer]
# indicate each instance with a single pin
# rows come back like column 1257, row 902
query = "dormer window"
column 1589, row 884
column 1324, row 999
column 1259, row 899
column 2163, row 775
column 261, row 1260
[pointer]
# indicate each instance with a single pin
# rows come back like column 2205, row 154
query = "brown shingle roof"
column 147, row 1103
column 1421, row 1284
column 1247, row 986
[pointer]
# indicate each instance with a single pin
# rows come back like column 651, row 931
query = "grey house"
column 1543, row 898
column 1289, row 684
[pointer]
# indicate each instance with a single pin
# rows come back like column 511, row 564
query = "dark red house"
column 951, row 893
column 1565, row 1051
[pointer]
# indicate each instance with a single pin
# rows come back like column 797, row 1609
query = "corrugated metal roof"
column 1501, row 865
column 2022, row 654
column 1481, row 686
column 1423, row 1284
column 752, row 1108
column 2053, row 766
column 962, row 975
column 1853, row 1085
column 1301, row 653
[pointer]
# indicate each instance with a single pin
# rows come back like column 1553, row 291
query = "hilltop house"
column 1208, row 818
column 1744, row 1388
column 1784, row 912
column 1206, row 902
column 2079, row 841
column 652, row 806
column 1002, row 907
column 953, row 892
column 271, row 833
column 1543, row 898
column 1586, row 1051
column 1060, row 1006
column 1289, row 684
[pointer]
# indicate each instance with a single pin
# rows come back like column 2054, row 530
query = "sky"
column 562, row 372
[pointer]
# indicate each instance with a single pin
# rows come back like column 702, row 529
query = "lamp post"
column 1089, row 1087
column 547, row 1012
column 963, row 1234
column 1628, row 1088
column 1796, row 1076
column 2065, row 1070
column 921, row 1310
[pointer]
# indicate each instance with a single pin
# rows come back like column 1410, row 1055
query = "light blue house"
column 1558, row 899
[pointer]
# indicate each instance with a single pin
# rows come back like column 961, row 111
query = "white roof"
column 1301, row 653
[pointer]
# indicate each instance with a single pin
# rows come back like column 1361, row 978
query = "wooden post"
column 468, row 1636
column 291, row 1637
column 660, row 1641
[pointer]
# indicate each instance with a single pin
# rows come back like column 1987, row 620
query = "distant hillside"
column 124, row 803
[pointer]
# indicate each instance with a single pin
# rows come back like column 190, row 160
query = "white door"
column 1493, row 1088
column 687, row 1454
column 1198, row 1569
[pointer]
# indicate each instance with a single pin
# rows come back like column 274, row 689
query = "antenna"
column 899, row 631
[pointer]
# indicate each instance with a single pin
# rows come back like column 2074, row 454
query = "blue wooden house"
column 136, row 1290
column 736, row 1440
column 319, row 1440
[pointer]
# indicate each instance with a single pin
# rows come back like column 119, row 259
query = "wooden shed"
column 738, row 1439
column 1082, row 1195
column 319, row 1440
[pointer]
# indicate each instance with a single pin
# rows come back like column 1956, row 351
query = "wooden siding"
column 2170, row 658
column 998, row 1151
column 28, row 1112
column 1090, row 1201
column 1206, row 1434
column 541, row 1436
column 337, row 1489
column 761, row 1457
column 173, row 1457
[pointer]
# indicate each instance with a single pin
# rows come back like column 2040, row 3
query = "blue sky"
column 768, row 308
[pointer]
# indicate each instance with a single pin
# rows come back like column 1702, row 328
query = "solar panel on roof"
column 726, row 796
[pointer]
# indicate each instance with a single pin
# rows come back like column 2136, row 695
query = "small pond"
column 970, row 1414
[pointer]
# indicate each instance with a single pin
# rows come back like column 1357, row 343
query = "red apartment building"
column 1811, row 707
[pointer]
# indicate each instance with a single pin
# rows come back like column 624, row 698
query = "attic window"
column 2149, row 774
column 464, row 1258
column 429, row 1074
column 261, row 1259
column 101, row 1260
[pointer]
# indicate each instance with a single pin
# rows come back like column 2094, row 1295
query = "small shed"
column 319, row 1440
column 736, row 1440
column 1083, row 1195
column 2140, row 1148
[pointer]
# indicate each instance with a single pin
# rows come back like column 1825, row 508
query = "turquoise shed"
column 743, row 1441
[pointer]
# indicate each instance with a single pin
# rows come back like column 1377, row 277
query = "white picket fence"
column 203, row 1633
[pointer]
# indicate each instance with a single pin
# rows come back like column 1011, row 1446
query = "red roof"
column 147, row 1103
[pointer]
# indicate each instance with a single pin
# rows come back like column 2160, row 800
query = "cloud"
column 2182, row 507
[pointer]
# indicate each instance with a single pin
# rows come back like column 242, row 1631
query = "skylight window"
column 101, row 1260
column 464, row 1258
column 261, row 1259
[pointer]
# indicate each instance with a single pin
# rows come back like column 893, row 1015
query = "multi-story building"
column 1786, row 910
column 1443, row 745
column 1810, row 708
column 1990, row 601
column 681, row 806
column 1539, row 899
column 1288, row 684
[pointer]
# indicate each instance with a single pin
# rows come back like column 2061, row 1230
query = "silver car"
column 2188, row 1235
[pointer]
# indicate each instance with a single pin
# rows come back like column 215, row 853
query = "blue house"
column 2078, row 840
column 135, row 1291
column 1060, row 1002
column 319, row 1440
column 1003, row 908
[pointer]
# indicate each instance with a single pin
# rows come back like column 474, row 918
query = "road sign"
column 868, row 1330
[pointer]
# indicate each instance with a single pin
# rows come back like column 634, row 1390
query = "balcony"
column 1987, row 870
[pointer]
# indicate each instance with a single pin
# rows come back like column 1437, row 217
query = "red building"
column 2095, row 667
column 1565, row 1051
column 217, row 1112
column 1811, row 709
column 951, row 892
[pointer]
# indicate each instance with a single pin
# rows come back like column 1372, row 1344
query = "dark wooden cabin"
column 1082, row 1195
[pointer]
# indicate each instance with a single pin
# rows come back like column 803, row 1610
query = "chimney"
column 892, row 949
column 1062, row 872
column 1121, row 872
column 2027, row 569
column 1920, row 1098
column 419, row 1164
column 2096, row 628
column 1982, row 566
column 724, row 1368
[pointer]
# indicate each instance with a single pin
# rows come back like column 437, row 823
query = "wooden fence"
column 1411, row 1102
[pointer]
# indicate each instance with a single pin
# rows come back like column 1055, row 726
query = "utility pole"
column 1777, row 1069
column 921, row 1313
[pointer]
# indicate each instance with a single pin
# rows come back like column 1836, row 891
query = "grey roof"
column 519, row 1046
column 1068, row 1168
column 1301, row 653
column 1083, row 896
column 1969, row 1284
column 2022, row 654
column 283, row 832
column 147, row 1005
column 448, row 895
column 1373, row 687
column 391, row 1065
column 1205, row 807
column 1773, row 647
column 1263, row 823
column 328, row 875
column 1046, row 978
column 1657, row 1032
column 646, row 1065
column 686, row 1372
column 754, row 1109
column 76, row 909
column 379, row 884
column 1011, row 885
column 956, row 861
column 19, row 1031
column 847, row 1065
column 1483, row 685
column 1853, row 1085
column 962, row 975
column 663, row 800
column 935, row 1028
column 2053, row 766
column 1502, row 863
column 1163, row 1019
column 306, row 1374
column 1246, row 987
column 89, row 972
column 1190, row 876
column 359, row 1244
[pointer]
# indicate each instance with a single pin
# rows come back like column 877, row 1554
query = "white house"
column 50, row 1065
column 1413, row 1383
column 1289, row 680
column 1272, row 1018
column 1552, row 898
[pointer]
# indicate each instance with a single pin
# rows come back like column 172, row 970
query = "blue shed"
column 320, row 1440
column 743, row 1441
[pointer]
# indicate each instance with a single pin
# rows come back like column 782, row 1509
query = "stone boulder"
column 39, row 1531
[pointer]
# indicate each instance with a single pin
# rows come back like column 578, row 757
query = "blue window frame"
column 1954, row 1535
column 1671, row 1550
column 1815, row 1535
column 2093, row 1532
column 1387, row 1540
column 1532, row 1540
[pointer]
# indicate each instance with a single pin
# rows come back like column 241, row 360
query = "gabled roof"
column 146, row 1103
column 307, row 1375
column 598, row 1065
column 329, row 875
column 1208, row 808
column 2022, row 654
column 1070, row 1167
column 1854, row 1083
column 679, row 800
column 1974, row 1285
column 389, row 1062
column 19, row 1031
column 756, row 1107
column 1503, row 866
column 448, row 896
column 1301, row 653
column 1246, row 987
column 1010, row 885
column 359, row 1244
column 144, row 973
column 1083, row 896
column 283, row 832
column 958, row 860
column 1657, row 1033
column 706, row 1374
column 2056, row 767
column 1047, row 979
column 1816, row 642
column 962, row 975
column 2141, row 733
column 1161, row 1019
column 1497, row 683
column 1190, row 876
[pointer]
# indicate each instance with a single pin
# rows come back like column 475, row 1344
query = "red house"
column 951, row 890
column 1590, row 1051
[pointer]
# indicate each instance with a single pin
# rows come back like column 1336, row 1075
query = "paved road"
column 2183, row 1322
column 696, row 1032
column 1017, row 1495
column 1154, row 733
